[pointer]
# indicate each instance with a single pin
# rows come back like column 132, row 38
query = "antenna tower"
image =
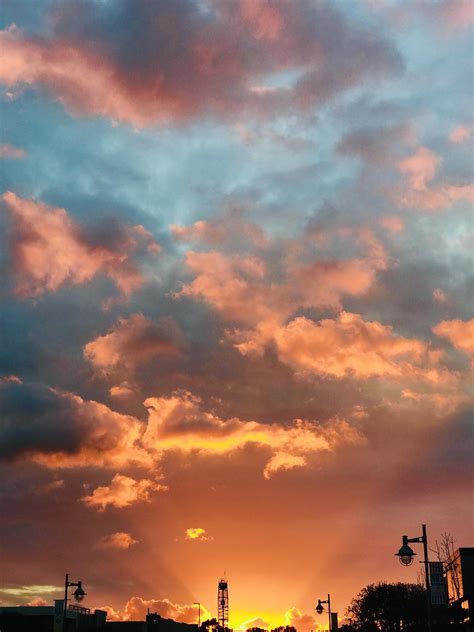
column 223, row 603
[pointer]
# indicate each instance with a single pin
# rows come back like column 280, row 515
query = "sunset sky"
column 236, row 330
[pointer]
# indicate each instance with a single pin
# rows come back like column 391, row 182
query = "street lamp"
column 320, row 609
column 406, row 554
column 197, row 603
column 78, row 595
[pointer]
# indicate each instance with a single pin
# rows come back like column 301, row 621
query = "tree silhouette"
column 386, row 607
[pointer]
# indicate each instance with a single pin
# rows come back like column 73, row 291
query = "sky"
column 236, row 328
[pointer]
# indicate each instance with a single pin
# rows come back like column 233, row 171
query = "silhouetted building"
column 78, row 619
column 460, row 579
column 154, row 623
column 50, row 618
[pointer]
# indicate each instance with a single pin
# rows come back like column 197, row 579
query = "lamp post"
column 79, row 595
column 319, row 608
column 198, row 604
column 406, row 555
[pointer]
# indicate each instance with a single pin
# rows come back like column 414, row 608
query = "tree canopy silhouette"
column 386, row 607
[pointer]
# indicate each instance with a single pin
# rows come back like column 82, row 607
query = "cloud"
column 49, row 249
column 393, row 223
column 439, row 295
column 460, row 134
column 419, row 169
column 121, row 390
column 32, row 425
column 61, row 430
column 256, row 622
column 10, row 379
column 259, row 296
column 178, row 423
column 134, row 341
column 283, row 461
column 117, row 540
column 459, row 332
column 11, row 152
column 377, row 146
column 302, row 622
column 452, row 15
column 37, row 601
column 136, row 609
column 347, row 346
column 33, row 589
column 229, row 231
column 94, row 70
column 122, row 492
column 198, row 533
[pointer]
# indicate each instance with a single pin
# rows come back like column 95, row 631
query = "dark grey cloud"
column 34, row 418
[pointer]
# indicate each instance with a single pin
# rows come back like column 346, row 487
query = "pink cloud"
column 134, row 341
column 393, row 223
column 457, row 14
column 439, row 295
column 89, row 68
column 49, row 249
column 419, row 169
column 11, row 152
column 230, row 230
column 460, row 134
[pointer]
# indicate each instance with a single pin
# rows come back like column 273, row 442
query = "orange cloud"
column 346, row 346
column 178, row 423
column 121, row 390
column 244, row 290
column 107, row 438
column 122, row 492
column 459, row 332
column 117, row 540
column 96, row 435
column 302, row 622
column 65, row 430
column 256, row 622
column 11, row 152
column 198, row 533
column 136, row 609
column 49, row 250
column 134, row 341
column 37, row 601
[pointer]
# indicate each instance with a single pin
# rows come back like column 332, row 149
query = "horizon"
column 237, row 328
